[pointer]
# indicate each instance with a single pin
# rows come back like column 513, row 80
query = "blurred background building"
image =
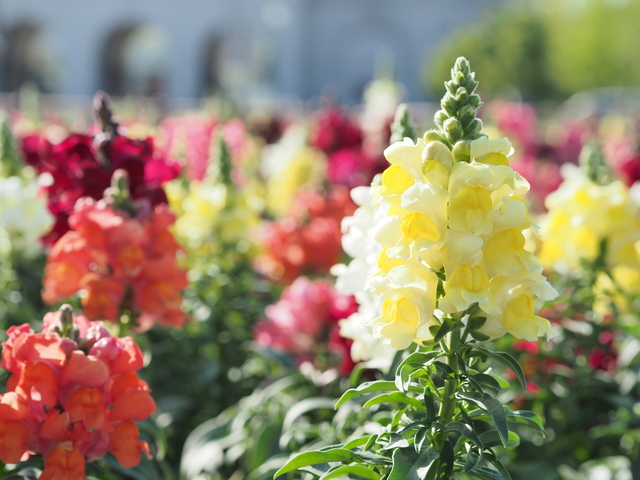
column 249, row 49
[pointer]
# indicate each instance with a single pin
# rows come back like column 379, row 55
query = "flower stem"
column 448, row 403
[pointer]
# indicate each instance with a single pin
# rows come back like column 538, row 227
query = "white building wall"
column 314, row 42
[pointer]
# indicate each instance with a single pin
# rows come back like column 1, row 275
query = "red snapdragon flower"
column 309, row 238
column 72, row 399
column 114, row 257
column 79, row 168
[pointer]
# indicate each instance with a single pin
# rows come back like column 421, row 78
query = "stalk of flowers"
column 351, row 278
column 304, row 323
column 308, row 239
column 214, row 213
column 23, row 213
column 83, row 165
column 120, row 258
column 593, row 224
column 73, row 395
column 452, row 272
column 290, row 166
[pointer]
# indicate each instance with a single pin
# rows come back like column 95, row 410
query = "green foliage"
column 402, row 127
column 547, row 50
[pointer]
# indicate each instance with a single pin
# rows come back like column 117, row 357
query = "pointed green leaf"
column 492, row 439
column 368, row 387
column 446, row 327
column 493, row 407
column 304, row 406
column 306, row 459
column 409, row 465
column 506, row 360
column 345, row 470
column 447, row 458
column 394, row 397
column 430, row 405
column 466, row 430
column 486, row 473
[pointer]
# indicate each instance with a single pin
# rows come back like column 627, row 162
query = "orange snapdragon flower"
column 108, row 255
column 72, row 400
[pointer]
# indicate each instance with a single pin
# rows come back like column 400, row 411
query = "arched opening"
column 212, row 65
column 26, row 59
column 239, row 62
column 135, row 61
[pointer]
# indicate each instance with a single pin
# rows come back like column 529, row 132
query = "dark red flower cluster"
column 308, row 239
column 342, row 141
column 80, row 168
column 72, row 398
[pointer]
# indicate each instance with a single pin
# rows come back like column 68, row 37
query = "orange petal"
column 86, row 404
column 86, row 371
column 14, row 436
column 39, row 383
column 56, row 426
column 125, row 446
column 63, row 464
column 14, row 407
column 133, row 405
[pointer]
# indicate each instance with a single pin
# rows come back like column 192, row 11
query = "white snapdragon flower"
column 351, row 278
column 23, row 213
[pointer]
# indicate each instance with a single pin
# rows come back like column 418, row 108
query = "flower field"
column 215, row 296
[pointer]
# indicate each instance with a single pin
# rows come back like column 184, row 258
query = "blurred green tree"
column 546, row 50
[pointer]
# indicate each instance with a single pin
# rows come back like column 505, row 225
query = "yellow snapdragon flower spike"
column 582, row 215
column 454, row 224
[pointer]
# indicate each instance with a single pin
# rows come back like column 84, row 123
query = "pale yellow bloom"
column 465, row 222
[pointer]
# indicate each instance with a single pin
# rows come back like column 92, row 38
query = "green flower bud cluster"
column 223, row 161
column 593, row 164
column 401, row 127
column 457, row 119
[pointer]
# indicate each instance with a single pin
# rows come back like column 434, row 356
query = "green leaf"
column 344, row 470
column 447, row 326
column 444, row 370
column 409, row 465
column 493, row 407
column 396, row 441
column 492, row 439
column 304, row 406
column 314, row 458
column 266, row 446
column 486, row 473
column 475, row 384
column 408, row 373
column 430, row 405
column 499, row 466
column 447, row 458
column 368, row 387
column 420, row 358
column 479, row 336
column 370, row 442
column 488, row 381
column 372, row 458
column 466, row 430
column 476, row 322
column 394, row 397
column 506, row 360
column 472, row 461
column 358, row 442
column 526, row 417
column 522, row 417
